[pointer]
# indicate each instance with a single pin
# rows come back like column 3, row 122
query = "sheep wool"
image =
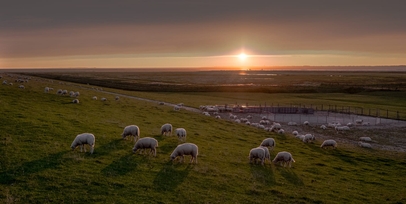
column 268, row 142
column 257, row 153
column 166, row 129
column 185, row 149
column 82, row 139
column 146, row 143
column 284, row 159
column 181, row 133
column 329, row 143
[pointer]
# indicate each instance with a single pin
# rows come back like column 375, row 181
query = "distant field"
column 37, row 166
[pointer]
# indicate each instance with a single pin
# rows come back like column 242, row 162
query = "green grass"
column 37, row 165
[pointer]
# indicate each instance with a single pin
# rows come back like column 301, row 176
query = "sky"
column 195, row 33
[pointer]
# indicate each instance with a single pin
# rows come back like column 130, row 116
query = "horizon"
column 187, row 34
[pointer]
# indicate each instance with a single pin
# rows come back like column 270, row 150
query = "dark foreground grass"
column 37, row 165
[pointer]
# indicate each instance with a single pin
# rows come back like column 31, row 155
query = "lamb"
column 94, row 98
column 308, row 137
column 365, row 139
column 166, row 129
column 131, row 130
column 146, row 143
column 185, row 149
column 82, row 139
column 181, row 133
column 75, row 100
column 365, row 145
column 284, row 158
column 268, row 142
column 257, row 153
column 329, row 143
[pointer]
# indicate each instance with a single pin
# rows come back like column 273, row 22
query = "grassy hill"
column 37, row 165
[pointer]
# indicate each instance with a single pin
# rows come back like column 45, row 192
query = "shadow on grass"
column 291, row 176
column 121, row 166
column 263, row 174
column 171, row 175
column 117, row 144
column 48, row 162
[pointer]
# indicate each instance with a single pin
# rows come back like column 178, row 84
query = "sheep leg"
column 81, row 148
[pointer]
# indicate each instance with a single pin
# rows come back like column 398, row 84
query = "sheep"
column 21, row 87
column 359, row 121
column 295, row 133
column 364, row 145
column 268, row 142
column 11, row 84
column 257, row 153
column 349, row 124
column 59, row 92
column 342, row 128
column 276, row 126
column 284, row 158
column 249, row 117
column 94, row 98
column 300, row 137
column 161, row 103
column 75, row 100
column 82, row 139
column 176, row 108
column 166, row 129
column 181, row 133
column 308, row 137
column 64, row 92
column 77, row 94
column 366, row 124
column 327, row 143
column 217, row 117
column 180, row 104
column 103, row 99
column 131, row 130
column 237, row 120
column 185, row 149
column 117, row 98
column 71, row 93
column 365, row 139
column 306, row 123
column 333, row 124
column 264, row 118
column 323, row 127
column 46, row 90
column 281, row 131
column 146, row 143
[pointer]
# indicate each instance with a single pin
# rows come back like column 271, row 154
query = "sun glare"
column 242, row 56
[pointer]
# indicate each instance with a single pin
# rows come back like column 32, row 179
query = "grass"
column 37, row 165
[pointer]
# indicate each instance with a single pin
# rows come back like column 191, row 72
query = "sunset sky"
column 174, row 33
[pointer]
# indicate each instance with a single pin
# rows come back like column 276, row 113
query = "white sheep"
column 300, row 137
column 46, row 90
column 308, row 137
column 329, row 143
column 21, row 86
column 166, row 129
column 364, row 145
column 146, row 143
column 306, row 123
column 217, row 117
column 131, row 130
column 177, row 108
column 295, row 132
column 71, row 93
column 59, row 92
column 359, row 121
column 185, row 149
column 365, row 139
column 181, row 133
column 94, row 98
column 342, row 128
column 323, row 127
column 117, row 98
column 281, row 131
column 257, row 153
column 75, row 100
column 82, row 139
column 64, row 92
column 267, row 155
column 77, row 94
column 103, row 99
column 276, row 126
column 268, row 142
column 284, row 158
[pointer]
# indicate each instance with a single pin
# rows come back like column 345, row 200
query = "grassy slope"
column 36, row 130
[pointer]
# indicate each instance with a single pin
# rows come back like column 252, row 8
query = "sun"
column 242, row 56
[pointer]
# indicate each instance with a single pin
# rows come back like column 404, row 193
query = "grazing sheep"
column 359, row 121
column 176, row 108
column 180, row 104
column 131, row 130
column 342, row 128
column 323, row 127
column 46, row 90
column 21, row 86
column 306, row 123
column 94, row 98
column 75, row 100
column 181, row 133
column 365, row 145
column 284, row 158
column 300, row 137
column 308, row 137
column 268, row 142
column 59, row 92
column 103, row 99
column 71, row 93
column 257, row 153
column 329, row 143
column 365, row 139
column 295, row 133
column 281, row 131
column 146, row 143
column 217, row 117
column 276, row 126
column 166, row 129
column 77, row 94
column 185, row 149
column 82, row 139
column 333, row 124
column 64, row 92
column 117, row 98
column 267, row 155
